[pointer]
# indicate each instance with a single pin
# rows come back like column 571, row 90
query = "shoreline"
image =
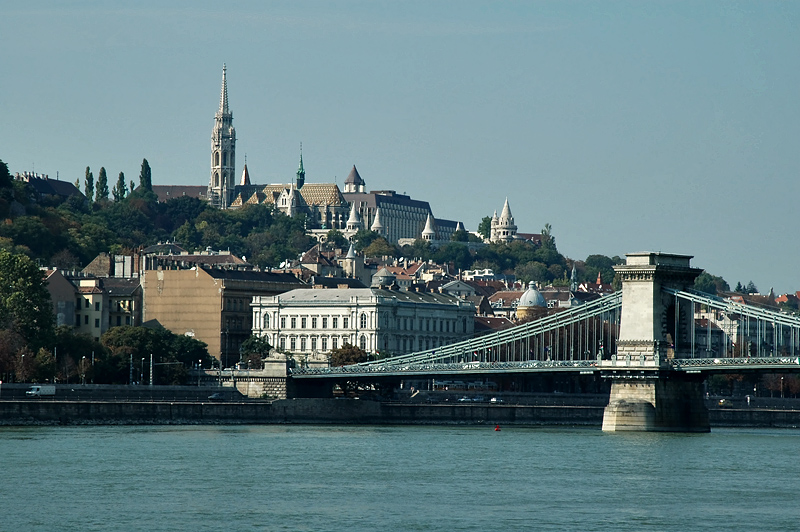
column 340, row 412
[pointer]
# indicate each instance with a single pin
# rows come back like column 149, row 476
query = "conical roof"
column 506, row 214
column 377, row 226
column 429, row 231
column 355, row 219
column 223, row 97
column 351, row 253
column 245, row 176
column 354, row 178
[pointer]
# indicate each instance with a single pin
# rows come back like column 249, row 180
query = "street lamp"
column 781, row 386
column 22, row 367
column 141, row 372
column 83, row 370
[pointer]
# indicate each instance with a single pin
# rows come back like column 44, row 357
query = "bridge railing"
column 575, row 334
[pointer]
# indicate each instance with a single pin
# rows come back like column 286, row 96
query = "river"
column 291, row 477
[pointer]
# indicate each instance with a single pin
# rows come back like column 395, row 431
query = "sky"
column 627, row 126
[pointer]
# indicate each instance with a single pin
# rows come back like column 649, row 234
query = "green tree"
column 88, row 185
column 334, row 239
column 485, row 227
column 380, row 247
column 5, row 176
column 24, row 300
column 254, row 350
column 145, row 179
column 364, row 238
column 120, row 190
column 348, row 355
column 102, row 185
column 710, row 284
column 455, row 253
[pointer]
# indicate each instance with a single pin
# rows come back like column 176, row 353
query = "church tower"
column 223, row 152
column 301, row 173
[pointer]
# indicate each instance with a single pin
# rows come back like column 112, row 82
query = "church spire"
column 301, row 173
column 223, row 97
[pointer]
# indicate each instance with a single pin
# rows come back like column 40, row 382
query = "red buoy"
column 497, row 427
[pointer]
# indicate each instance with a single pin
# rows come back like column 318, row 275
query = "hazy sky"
column 628, row 126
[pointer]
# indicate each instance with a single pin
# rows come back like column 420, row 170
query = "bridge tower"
column 645, row 395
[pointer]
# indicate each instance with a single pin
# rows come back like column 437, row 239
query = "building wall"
column 185, row 301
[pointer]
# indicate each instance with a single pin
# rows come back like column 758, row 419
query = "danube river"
column 357, row 478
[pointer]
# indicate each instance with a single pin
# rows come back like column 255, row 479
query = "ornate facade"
column 312, row 321
column 223, row 152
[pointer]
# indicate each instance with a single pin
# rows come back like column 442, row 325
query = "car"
column 216, row 396
column 464, row 399
column 496, row 400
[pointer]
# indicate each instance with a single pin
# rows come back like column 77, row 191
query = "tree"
column 348, row 355
column 710, row 284
column 380, row 248
column 485, row 227
column 364, row 238
column 739, row 288
column 88, row 185
column 5, row 176
column 120, row 189
column 102, row 185
column 24, row 300
column 254, row 350
column 145, row 180
column 751, row 288
column 335, row 239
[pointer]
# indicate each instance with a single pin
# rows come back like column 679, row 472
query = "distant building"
column 42, row 187
column 210, row 304
column 309, row 322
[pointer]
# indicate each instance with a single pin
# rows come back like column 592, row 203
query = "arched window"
column 216, row 159
column 265, row 321
column 216, row 180
column 363, row 323
column 225, row 159
column 363, row 342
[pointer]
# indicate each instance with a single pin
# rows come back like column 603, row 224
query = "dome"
column 532, row 297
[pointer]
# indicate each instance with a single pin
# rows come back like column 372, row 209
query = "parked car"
column 496, row 400
column 216, row 396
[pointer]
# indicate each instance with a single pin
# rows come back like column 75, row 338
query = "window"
column 265, row 321
column 335, row 322
column 283, row 323
column 363, row 342
column 294, row 323
column 303, row 323
column 119, row 320
column 303, row 343
column 345, row 323
column 97, row 323
column 292, row 343
column 86, row 319
column 127, row 320
column 87, row 302
column 283, row 343
column 313, row 343
column 314, row 322
column 324, row 344
column 335, row 342
column 78, row 319
column 363, row 323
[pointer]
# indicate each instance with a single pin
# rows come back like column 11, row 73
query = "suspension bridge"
column 657, row 340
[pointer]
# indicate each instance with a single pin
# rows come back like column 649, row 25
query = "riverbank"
column 338, row 411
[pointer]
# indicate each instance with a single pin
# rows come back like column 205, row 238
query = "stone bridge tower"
column 645, row 395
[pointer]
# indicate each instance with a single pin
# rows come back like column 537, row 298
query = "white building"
column 390, row 321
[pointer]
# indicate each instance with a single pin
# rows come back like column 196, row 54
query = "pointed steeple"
column 245, row 176
column 351, row 253
column 428, row 233
column 301, row 173
column 506, row 214
column 377, row 226
column 223, row 97
column 354, row 183
column 354, row 222
column 599, row 279
column 573, row 279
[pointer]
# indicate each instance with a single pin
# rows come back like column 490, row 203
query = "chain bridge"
column 656, row 339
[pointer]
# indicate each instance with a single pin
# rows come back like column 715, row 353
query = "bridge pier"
column 656, row 403
column 645, row 396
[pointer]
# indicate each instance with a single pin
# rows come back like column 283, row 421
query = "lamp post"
column 22, row 367
column 83, row 370
column 781, row 386
column 141, row 372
